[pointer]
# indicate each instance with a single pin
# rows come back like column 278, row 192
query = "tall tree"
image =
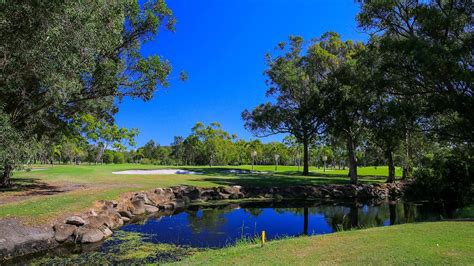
column 294, row 78
column 346, row 94
column 426, row 53
column 385, row 123
column 84, row 58
column 215, row 142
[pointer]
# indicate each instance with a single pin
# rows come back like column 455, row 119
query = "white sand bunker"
column 157, row 172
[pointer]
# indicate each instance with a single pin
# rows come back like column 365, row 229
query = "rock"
column 179, row 204
column 63, row 232
column 98, row 221
column 89, row 235
column 151, row 209
column 17, row 239
column 168, row 206
column 141, row 197
column 75, row 220
column 138, row 207
column 278, row 197
column 125, row 219
column 106, row 231
column 126, row 214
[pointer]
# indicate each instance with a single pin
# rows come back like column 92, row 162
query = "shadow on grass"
column 24, row 184
column 223, row 176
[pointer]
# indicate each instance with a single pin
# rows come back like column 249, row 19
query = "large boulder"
column 151, row 209
column 166, row 194
column 17, row 239
column 64, row 232
column 138, row 206
column 86, row 234
column 75, row 220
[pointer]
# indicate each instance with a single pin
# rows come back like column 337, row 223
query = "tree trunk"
column 305, row 157
column 5, row 180
column 407, row 169
column 391, row 167
column 352, row 160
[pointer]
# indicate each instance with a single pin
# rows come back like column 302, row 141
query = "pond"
column 219, row 226
column 166, row 237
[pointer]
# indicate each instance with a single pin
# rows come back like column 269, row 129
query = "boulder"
column 75, row 220
column 125, row 219
column 126, row 214
column 166, row 194
column 150, row 208
column 142, row 196
column 63, row 232
column 106, row 231
column 86, row 235
column 179, row 204
column 138, row 207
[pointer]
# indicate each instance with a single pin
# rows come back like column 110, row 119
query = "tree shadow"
column 223, row 176
column 24, row 184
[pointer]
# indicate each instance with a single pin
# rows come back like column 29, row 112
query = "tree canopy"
column 65, row 60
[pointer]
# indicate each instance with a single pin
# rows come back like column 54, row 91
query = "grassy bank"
column 423, row 243
column 51, row 191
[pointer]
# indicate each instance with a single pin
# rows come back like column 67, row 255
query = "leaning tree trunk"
column 5, row 178
column 352, row 159
column 305, row 157
column 391, row 167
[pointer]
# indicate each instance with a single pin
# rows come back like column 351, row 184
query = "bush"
column 448, row 177
column 119, row 158
column 108, row 157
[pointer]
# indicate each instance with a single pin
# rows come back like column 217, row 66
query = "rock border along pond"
column 97, row 224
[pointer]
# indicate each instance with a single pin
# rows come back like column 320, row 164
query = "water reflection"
column 223, row 225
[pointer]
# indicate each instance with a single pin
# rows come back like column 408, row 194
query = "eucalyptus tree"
column 65, row 59
column 426, row 52
column 346, row 93
column 177, row 148
column 215, row 142
column 385, row 121
column 294, row 76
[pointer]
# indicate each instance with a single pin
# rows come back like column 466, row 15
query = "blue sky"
column 221, row 45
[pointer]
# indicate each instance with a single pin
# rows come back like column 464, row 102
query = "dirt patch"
column 39, row 189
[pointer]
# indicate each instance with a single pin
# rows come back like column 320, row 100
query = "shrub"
column 448, row 177
column 108, row 157
column 119, row 158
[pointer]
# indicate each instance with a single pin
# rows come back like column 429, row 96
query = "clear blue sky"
column 221, row 44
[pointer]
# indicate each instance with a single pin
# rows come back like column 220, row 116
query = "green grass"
column 437, row 243
column 99, row 183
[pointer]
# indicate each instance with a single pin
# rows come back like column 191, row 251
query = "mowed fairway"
column 53, row 191
column 436, row 243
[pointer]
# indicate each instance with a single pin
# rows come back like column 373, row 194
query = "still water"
column 169, row 237
column 218, row 226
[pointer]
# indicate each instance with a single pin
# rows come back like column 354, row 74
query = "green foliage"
column 425, row 51
column 119, row 158
column 85, row 59
column 15, row 149
column 122, row 248
column 108, row 156
column 445, row 177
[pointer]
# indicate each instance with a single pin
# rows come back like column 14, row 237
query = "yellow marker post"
column 263, row 238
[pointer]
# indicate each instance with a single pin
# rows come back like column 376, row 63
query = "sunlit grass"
column 437, row 243
column 97, row 182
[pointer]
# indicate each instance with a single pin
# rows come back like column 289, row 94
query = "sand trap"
column 157, row 172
